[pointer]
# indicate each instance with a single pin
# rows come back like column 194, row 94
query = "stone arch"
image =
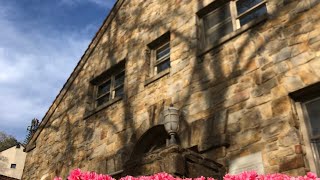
column 154, row 138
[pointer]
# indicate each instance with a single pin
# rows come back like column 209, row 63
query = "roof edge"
column 32, row 143
column 13, row 146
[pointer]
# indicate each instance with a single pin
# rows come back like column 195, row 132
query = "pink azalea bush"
column 252, row 175
column 77, row 174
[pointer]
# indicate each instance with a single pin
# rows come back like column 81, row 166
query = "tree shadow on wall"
column 211, row 76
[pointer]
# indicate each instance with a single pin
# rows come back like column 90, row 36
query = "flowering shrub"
column 254, row 176
column 78, row 175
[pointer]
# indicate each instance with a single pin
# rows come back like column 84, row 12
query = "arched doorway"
column 153, row 139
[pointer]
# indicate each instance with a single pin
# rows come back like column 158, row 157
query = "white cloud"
column 34, row 64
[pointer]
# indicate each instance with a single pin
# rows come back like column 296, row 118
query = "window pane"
column 256, row 13
column 163, row 66
column 215, row 34
column 317, row 145
column 119, row 92
column 104, row 88
column 244, row 5
column 119, row 79
column 313, row 109
column 163, row 51
column 217, row 16
column 103, row 99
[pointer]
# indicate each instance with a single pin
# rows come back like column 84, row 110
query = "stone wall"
column 234, row 99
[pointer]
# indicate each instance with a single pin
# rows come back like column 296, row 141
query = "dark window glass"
column 104, row 88
column 218, row 23
column 103, row 99
column 254, row 14
column 220, row 31
column 217, row 16
column 119, row 80
column 163, row 66
column 13, row 166
column 244, row 5
column 109, row 85
column 317, row 144
column 313, row 108
column 163, row 51
column 119, row 92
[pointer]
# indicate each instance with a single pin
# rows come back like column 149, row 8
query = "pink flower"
column 250, row 175
column 247, row 175
column 85, row 176
column 129, row 178
column 200, row 178
column 75, row 175
column 311, row 175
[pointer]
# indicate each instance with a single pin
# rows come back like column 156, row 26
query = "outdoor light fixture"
column 171, row 122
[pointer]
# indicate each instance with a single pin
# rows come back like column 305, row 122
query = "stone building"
column 245, row 76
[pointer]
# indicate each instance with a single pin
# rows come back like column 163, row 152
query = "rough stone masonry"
column 234, row 98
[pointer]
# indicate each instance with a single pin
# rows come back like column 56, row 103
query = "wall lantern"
column 171, row 122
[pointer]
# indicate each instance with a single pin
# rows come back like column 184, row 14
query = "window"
column 13, row 166
column 308, row 109
column 160, row 54
column 248, row 10
column 109, row 85
column 162, row 60
column 223, row 17
column 312, row 115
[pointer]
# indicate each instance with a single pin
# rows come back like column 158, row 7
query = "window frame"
column 252, row 9
column 13, row 166
column 205, row 45
column 109, row 75
column 156, row 61
column 315, row 152
column 301, row 97
column 152, row 61
column 311, row 153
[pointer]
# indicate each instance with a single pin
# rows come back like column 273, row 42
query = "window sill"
column 232, row 35
column 156, row 77
column 109, row 103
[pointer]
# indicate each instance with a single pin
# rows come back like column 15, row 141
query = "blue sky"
column 41, row 42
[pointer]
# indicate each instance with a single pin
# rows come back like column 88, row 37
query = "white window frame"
column 151, row 52
column 155, row 61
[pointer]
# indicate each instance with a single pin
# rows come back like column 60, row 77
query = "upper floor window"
column 109, row 85
column 13, row 166
column 248, row 10
column 160, row 54
column 223, row 17
column 162, row 57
